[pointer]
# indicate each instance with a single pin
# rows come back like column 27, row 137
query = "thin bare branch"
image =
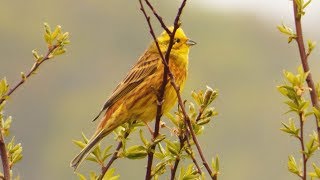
column 32, row 71
column 114, row 157
column 167, row 72
column 188, row 122
column 304, row 157
column 3, row 149
column 304, row 62
column 172, row 81
column 158, row 17
column 4, row 158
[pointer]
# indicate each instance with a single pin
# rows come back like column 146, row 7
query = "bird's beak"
column 190, row 42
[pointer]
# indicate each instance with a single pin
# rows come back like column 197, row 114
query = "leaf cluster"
column 168, row 150
column 293, row 90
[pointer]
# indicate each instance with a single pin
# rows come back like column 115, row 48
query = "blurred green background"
column 239, row 51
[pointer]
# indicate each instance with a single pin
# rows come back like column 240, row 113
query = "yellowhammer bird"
column 135, row 97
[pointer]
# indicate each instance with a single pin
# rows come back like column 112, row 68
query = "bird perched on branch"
column 135, row 98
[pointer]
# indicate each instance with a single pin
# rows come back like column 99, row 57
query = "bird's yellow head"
column 181, row 42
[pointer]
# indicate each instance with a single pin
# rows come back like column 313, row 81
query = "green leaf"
column 304, row 105
column 209, row 96
column 159, row 138
column 311, row 45
column 287, row 31
column 317, row 114
column 160, row 168
column 56, row 32
column 110, row 175
column 306, row 4
column 59, row 51
column 174, row 120
column 293, row 167
column 93, row 176
column 203, row 121
column 197, row 97
column 290, row 128
column 6, row 126
column 79, row 143
column 215, row 165
column 15, row 151
column 189, row 174
column 143, row 139
column 85, row 139
column 105, row 153
column 93, row 159
column 97, row 152
column 316, row 172
column 173, row 147
column 81, row 176
column 47, row 38
column 3, row 87
column 311, row 146
column 136, row 152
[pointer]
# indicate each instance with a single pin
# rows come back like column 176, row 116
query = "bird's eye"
column 178, row 40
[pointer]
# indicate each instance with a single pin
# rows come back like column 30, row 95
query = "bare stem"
column 4, row 158
column 183, row 140
column 32, row 71
column 3, row 150
column 194, row 160
column 114, row 157
column 158, row 17
column 195, row 140
column 304, row 61
column 177, row 89
column 166, row 71
column 304, row 157
column 176, row 162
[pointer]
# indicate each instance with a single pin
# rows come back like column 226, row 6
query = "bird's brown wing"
column 146, row 66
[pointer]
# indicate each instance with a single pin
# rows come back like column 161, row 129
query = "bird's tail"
column 90, row 145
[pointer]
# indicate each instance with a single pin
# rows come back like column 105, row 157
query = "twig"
column 304, row 61
column 174, row 169
column 3, row 150
column 304, row 157
column 172, row 81
column 164, row 80
column 158, row 17
column 113, row 158
column 32, row 71
column 176, row 162
column 4, row 158
column 188, row 122
column 192, row 157
column 183, row 140
column 160, row 97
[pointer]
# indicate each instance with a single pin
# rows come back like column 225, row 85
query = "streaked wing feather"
column 138, row 73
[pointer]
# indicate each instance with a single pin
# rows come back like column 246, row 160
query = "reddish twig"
column 304, row 157
column 167, row 72
column 113, row 158
column 3, row 150
column 172, row 81
column 304, row 61
column 183, row 140
column 32, row 71
column 177, row 161
column 192, row 157
column 188, row 122
column 4, row 158
column 158, row 17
